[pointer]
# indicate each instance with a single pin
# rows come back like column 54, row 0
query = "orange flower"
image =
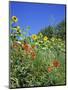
column 33, row 46
column 25, row 46
column 49, row 69
column 33, row 55
column 56, row 63
column 28, row 49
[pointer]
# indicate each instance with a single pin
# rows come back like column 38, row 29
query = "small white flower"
column 18, row 42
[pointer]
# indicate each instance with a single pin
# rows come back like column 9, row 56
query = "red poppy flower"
column 27, row 48
column 49, row 69
column 56, row 63
column 33, row 55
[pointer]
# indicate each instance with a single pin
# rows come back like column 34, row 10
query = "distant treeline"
column 58, row 31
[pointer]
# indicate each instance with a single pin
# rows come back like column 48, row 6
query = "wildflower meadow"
column 35, row 60
column 37, row 48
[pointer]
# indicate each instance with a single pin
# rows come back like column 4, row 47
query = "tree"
column 48, row 31
column 58, row 31
column 61, row 30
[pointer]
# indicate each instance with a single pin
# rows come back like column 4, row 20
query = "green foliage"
column 26, row 72
column 61, row 30
column 58, row 31
column 49, row 31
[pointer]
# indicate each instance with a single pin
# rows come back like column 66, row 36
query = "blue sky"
column 37, row 16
